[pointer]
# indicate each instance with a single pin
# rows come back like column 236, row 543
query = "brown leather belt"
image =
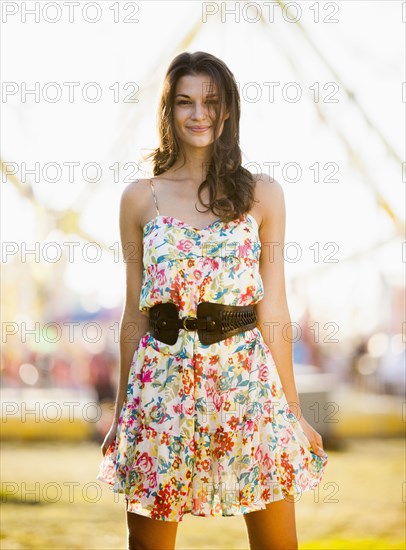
column 214, row 322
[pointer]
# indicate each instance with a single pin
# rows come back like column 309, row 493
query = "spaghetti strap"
column 153, row 194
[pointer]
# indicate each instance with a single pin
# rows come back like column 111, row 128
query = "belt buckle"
column 184, row 321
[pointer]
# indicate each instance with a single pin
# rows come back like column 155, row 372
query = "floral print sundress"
column 205, row 429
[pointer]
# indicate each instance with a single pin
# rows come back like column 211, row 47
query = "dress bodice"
column 186, row 265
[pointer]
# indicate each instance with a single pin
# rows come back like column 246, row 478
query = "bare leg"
column 145, row 533
column 273, row 528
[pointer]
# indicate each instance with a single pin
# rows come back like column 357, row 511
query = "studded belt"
column 214, row 322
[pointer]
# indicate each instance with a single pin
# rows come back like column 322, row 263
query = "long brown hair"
column 225, row 175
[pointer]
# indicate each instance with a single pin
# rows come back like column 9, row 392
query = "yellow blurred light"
column 397, row 344
column 28, row 374
column 366, row 364
column 378, row 344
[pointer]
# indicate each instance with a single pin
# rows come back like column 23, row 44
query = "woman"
column 207, row 418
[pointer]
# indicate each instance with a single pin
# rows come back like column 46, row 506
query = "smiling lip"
column 199, row 128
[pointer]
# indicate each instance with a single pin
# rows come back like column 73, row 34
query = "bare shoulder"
column 269, row 193
column 136, row 188
column 134, row 201
column 267, row 188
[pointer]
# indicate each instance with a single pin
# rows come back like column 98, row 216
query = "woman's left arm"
column 272, row 311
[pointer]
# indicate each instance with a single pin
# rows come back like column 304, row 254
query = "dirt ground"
column 51, row 500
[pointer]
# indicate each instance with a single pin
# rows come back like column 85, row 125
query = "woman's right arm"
column 134, row 324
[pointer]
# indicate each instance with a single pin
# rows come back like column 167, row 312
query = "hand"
column 108, row 440
column 314, row 437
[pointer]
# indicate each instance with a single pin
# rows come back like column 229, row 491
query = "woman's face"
column 193, row 110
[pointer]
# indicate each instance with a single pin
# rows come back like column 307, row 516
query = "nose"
column 200, row 111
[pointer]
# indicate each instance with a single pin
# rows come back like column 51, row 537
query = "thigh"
column 146, row 533
column 273, row 528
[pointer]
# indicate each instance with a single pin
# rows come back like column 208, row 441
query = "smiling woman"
column 183, row 107
column 199, row 113
column 205, row 419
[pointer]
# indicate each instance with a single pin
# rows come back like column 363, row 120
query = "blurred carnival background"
column 322, row 100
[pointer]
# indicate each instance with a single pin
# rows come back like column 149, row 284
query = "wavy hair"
column 225, row 175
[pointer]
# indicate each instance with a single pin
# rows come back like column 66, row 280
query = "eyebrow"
column 185, row 95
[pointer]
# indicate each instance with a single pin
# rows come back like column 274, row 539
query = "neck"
column 192, row 165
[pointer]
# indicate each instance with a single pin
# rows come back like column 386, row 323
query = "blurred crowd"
column 373, row 364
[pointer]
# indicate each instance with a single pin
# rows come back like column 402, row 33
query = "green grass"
column 359, row 505
column 360, row 544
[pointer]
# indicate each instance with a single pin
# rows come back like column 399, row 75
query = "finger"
column 317, row 449
column 322, row 452
column 319, row 442
column 318, row 453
